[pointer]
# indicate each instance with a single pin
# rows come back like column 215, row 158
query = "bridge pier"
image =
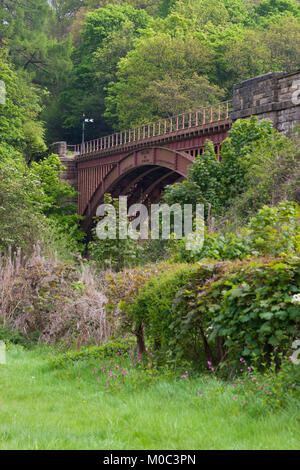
column 70, row 174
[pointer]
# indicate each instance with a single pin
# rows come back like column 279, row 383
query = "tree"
column 107, row 35
column 19, row 125
column 162, row 76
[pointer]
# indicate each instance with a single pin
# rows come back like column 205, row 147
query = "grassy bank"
column 43, row 407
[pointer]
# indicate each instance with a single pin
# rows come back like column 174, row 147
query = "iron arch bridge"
column 140, row 162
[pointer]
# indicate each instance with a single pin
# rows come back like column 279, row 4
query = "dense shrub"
column 122, row 288
column 222, row 310
column 108, row 350
column 153, row 305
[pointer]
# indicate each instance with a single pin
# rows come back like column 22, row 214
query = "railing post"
column 219, row 112
column 183, row 121
column 159, row 124
column 171, row 125
column 227, row 109
column 139, row 133
column 197, row 120
column 204, row 116
column 165, row 126
column 211, row 114
column 177, row 123
column 153, row 130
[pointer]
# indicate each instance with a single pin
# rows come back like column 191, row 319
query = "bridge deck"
column 202, row 121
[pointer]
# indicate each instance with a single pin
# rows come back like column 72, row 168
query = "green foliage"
column 251, row 309
column 153, row 306
column 107, row 35
column 274, row 231
column 14, row 337
column 160, row 78
column 219, row 183
column 115, row 252
column 276, row 387
column 34, row 205
column 19, row 126
column 107, row 350
column 221, row 311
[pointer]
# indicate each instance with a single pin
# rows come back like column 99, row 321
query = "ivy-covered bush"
column 251, row 307
column 220, row 311
column 153, row 305
column 122, row 289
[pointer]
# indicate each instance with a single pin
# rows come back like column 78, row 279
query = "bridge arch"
column 141, row 175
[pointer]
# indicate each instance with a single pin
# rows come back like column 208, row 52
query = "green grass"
column 42, row 407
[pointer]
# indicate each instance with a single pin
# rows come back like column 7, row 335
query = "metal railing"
column 174, row 124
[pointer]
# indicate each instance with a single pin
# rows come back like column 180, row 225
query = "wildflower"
column 296, row 299
column 249, row 369
column 260, row 388
column 235, row 397
column 291, row 358
column 200, row 394
column 242, row 370
column 242, row 360
column 206, row 377
column 234, row 385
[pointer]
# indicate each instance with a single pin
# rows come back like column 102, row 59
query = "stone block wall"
column 274, row 96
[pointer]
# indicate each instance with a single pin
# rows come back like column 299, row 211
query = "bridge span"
column 140, row 162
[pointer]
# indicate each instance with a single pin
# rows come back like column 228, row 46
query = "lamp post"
column 84, row 120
